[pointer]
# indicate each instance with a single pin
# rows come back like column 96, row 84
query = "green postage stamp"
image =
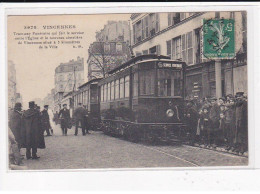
column 219, row 38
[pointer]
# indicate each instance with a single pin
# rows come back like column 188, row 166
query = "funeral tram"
column 143, row 99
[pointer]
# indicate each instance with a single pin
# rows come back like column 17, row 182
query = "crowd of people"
column 27, row 128
column 219, row 122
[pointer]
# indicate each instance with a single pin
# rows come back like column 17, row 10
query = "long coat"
column 214, row 117
column 32, row 133
column 45, row 119
column 65, row 118
column 15, row 124
column 241, row 122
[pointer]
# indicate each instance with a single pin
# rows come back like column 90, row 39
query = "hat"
column 17, row 105
column 213, row 98
column 46, row 106
column 239, row 94
column 79, row 103
column 31, row 104
column 38, row 107
column 222, row 98
column 230, row 95
column 64, row 105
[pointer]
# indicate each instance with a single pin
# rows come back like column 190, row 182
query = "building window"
column 122, row 88
column 107, row 47
column 217, row 14
column 127, row 86
column 176, row 18
column 117, row 89
column 138, row 53
column 138, row 31
column 157, row 22
column 112, row 90
column 146, row 27
column 61, row 86
column 152, row 24
column 176, row 48
column 135, row 84
column 69, row 76
column 105, row 92
column 155, row 50
column 182, row 16
column 244, row 31
column 108, row 92
column 118, row 47
column 169, row 19
column 169, row 47
column 189, row 48
column 145, row 52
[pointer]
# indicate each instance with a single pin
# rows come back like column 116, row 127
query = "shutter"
column 183, row 39
column 173, row 49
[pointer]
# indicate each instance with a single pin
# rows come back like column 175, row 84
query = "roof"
column 89, row 82
column 138, row 58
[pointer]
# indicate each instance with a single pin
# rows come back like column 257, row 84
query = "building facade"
column 110, row 49
column 104, row 56
column 114, row 31
column 11, row 84
column 68, row 77
column 179, row 36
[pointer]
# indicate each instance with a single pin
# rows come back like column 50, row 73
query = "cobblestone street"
column 97, row 150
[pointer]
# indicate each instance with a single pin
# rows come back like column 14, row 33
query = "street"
column 97, row 150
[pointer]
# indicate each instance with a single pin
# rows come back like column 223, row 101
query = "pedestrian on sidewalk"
column 32, row 135
column 46, row 120
column 64, row 115
column 80, row 114
column 15, row 123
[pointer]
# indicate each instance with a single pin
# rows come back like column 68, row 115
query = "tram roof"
column 139, row 58
column 89, row 82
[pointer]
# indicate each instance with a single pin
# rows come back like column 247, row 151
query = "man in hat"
column 46, row 120
column 241, row 136
column 80, row 114
column 64, row 115
column 33, row 134
column 15, row 123
column 214, row 121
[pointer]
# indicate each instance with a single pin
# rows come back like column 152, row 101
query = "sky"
column 35, row 68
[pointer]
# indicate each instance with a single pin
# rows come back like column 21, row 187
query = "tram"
column 144, row 99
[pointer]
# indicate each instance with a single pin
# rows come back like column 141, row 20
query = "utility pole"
column 218, row 78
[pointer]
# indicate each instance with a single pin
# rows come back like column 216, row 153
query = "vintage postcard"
column 130, row 90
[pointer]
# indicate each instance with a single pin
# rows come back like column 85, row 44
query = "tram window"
column 105, row 93
column 122, row 88
column 108, row 91
column 117, row 89
column 127, row 86
column 112, row 90
column 169, row 82
column 135, row 85
column 147, row 82
column 102, row 93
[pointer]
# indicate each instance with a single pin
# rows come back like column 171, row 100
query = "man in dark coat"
column 64, row 115
column 32, row 136
column 191, row 120
column 15, row 123
column 241, row 137
column 80, row 117
column 46, row 120
column 214, row 121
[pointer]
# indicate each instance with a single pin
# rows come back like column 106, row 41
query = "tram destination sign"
column 219, row 38
column 169, row 65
